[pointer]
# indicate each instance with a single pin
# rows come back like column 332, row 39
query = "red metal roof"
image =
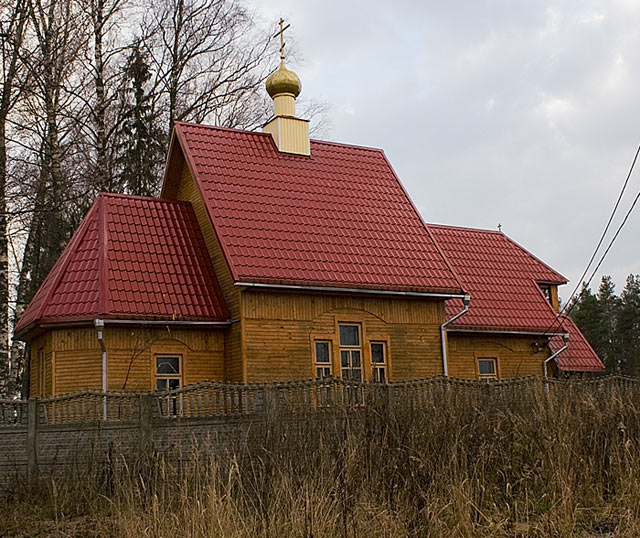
column 131, row 258
column 337, row 218
column 579, row 356
column 502, row 279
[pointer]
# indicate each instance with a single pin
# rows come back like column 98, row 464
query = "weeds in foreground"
column 508, row 461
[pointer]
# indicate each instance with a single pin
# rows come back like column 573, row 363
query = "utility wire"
column 569, row 305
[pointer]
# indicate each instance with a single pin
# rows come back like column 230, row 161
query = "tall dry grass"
column 469, row 460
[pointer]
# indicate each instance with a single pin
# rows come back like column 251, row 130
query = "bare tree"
column 46, row 125
column 105, row 54
column 13, row 18
column 209, row 60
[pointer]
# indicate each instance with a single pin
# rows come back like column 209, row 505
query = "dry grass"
column 468, row 462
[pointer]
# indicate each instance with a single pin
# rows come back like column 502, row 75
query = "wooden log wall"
column 130, row 352
column 517, row 356
column 279, row 330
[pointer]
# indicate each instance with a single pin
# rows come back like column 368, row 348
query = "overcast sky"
column 524, row 113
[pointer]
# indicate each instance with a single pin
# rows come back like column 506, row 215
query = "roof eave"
column 453, row 294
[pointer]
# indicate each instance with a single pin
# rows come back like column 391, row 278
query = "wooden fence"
column 39, row 432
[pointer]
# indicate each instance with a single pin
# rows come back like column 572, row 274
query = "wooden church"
column 273, row 257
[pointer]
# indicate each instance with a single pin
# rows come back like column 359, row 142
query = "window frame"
column 170, row 405
column 495, row 374
column 324, row 365
column 351, row 349
column 167, row 377
column 377, row 366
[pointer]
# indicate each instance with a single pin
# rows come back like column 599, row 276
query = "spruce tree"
column 590, row 318
column 628, row 326
column 142, row 142
column 610, row 306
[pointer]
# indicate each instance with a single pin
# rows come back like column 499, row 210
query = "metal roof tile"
column 164, row 233
column 312, row 209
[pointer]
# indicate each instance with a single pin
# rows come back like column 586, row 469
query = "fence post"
column 146, row 421
column 32, row 439
column 270, row 399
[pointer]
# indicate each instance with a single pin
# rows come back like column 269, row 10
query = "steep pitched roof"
column 502, row 278
column 337, row 218
column 130, row 258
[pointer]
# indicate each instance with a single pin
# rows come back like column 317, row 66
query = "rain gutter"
column 352, row 290
column 466, row 300
column 99, row 324
column 565, row 338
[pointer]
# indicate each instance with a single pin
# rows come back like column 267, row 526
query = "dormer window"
column 546, row 289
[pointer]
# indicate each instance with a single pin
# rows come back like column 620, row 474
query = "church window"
column 169, row 377
column 322, row 358
column 379, row 362
column 350, row 352
column 487, row 368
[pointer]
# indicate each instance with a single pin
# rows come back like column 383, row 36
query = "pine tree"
column 610, row 305
column 590, row 318
column 142, row 142
column 628, row 327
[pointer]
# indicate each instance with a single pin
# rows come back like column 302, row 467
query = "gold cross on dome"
column 281, row 34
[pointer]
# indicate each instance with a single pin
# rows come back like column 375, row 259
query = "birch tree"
column 13, row 17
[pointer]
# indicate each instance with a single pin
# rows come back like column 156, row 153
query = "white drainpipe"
column 565, row 338
column 466, row 300
column 99, row 323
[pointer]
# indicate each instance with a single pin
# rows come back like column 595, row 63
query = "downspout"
column 466, row 300
column 565, row 338
column 99, row 323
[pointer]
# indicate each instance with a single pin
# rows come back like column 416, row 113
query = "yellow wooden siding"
column 35, row 382
column 555, row 303
column 188, row 191
column 516, row 355
column 280, row 329
column 233, row 353
column 291, row 135
column 130, row 354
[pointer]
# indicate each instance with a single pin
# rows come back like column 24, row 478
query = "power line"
column 569, row 305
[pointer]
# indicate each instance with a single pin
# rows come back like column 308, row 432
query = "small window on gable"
column 379, row 362
column 546, row 290
column 487, row 368
column 322, row 358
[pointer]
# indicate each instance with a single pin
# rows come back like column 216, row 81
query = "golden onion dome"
column 283, row 81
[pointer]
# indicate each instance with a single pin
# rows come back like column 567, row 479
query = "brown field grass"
column 512, row 461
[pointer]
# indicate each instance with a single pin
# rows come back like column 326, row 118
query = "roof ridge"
column 347, row 145
column 76, row 239
column 142, row 198
column 466, row 228
column 103, row 260
column 218, row 128
column 261, row 133
column 532, row 256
